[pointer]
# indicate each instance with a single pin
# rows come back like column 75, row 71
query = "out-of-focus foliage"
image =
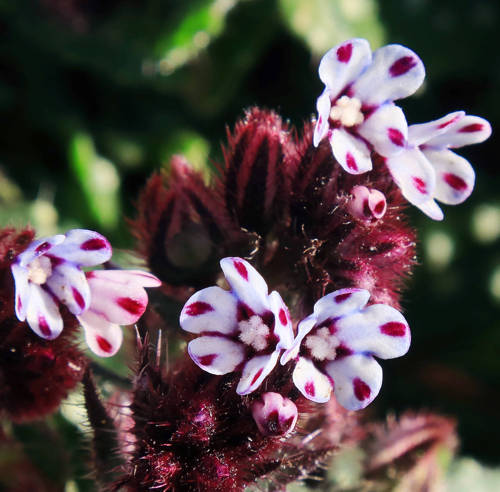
column 94, row 95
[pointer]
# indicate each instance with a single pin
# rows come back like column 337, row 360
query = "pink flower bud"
column 274, row 415
column 367, row 204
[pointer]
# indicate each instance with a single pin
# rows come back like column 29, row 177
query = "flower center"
column 254, row 332
column 347, row 110
column 39, row 270
column 322, row 345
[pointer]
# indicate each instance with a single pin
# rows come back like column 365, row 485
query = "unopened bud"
column 367, row 204
column 274, row 415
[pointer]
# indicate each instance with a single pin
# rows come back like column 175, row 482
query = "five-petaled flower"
column 356, row 110
column 49, row 272
column 244, row 329
column 427, row 170
column 335, row 348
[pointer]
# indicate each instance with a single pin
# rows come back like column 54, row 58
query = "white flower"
column 244, row 329
column 427, row 170
column 335, row 348
column 356, row 111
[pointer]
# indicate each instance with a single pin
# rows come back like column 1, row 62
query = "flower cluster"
column 357, row 115
column 48, row 273
column 246, row 329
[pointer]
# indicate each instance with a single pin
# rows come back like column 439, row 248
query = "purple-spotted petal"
column 20, row 275
column 255, row 371
column 395, row 72
column 466, row 131
column 102, row 337
column 342, row 64
column 312, row 383
column 340, row 303
column 414, row 175
column 216, row 355
column 455, row 176
column 431, row 209
column 304, row 327
column 42, row 314
column 323, row 106
column 378, row 329
column 69, row 284
column 246, row 283
column 210, row 310
column 84, row 248
column 118, row 295
column 357, row 380
column 38, row 248
column 282, row 321
column 386, row 129
column 351, row 152
column 423, row 132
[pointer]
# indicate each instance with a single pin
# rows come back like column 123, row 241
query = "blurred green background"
column 94, row 95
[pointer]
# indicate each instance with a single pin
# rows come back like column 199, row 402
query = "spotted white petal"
column 311, row 382
column 20, row 275
column 431, row 209
column 117, row 295
column 341, row 65
column 378, row 329
column 69, row 284
column 102, row 337
column 423, row 132
column 357, row 380
column 38, row 248
column 216, row 354
column 455, row 176
column 414, row 175
column 304, row 327
column 323, row 106
column 396, row 72
column 386, row 129
column 255, row 371
column 210, row 310
column 351, row 152
column 246, row 283
column 466, row 131
column 340, row 303
column 282, row 321
column 42, row 313
column 84, row 248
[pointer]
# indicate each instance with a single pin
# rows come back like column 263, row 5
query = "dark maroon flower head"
column 35, row 374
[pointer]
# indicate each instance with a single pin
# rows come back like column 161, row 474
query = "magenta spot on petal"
column 197, row 308
column 320, row 121
column 283, row 317
column 351, row 162
column 344, row 53
column 244, row 312
column 133, row 306
column 396, row 137
column 55, row 260
column 419, row 184
column 342, row 297
column 456, row 182
column 361, row 390
column 44, row 326
column 394, row 329
column 241, row 269
column 343, row 351
column 257, row 376
column 93, row 244
column 103, row 344
column 475, row 127
column 78, row 298
column 19, row 303
column 379, row 208
column 41, row 248
column 402, row 66
column 449, row 122
column 310, row 389
column 206, row 360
